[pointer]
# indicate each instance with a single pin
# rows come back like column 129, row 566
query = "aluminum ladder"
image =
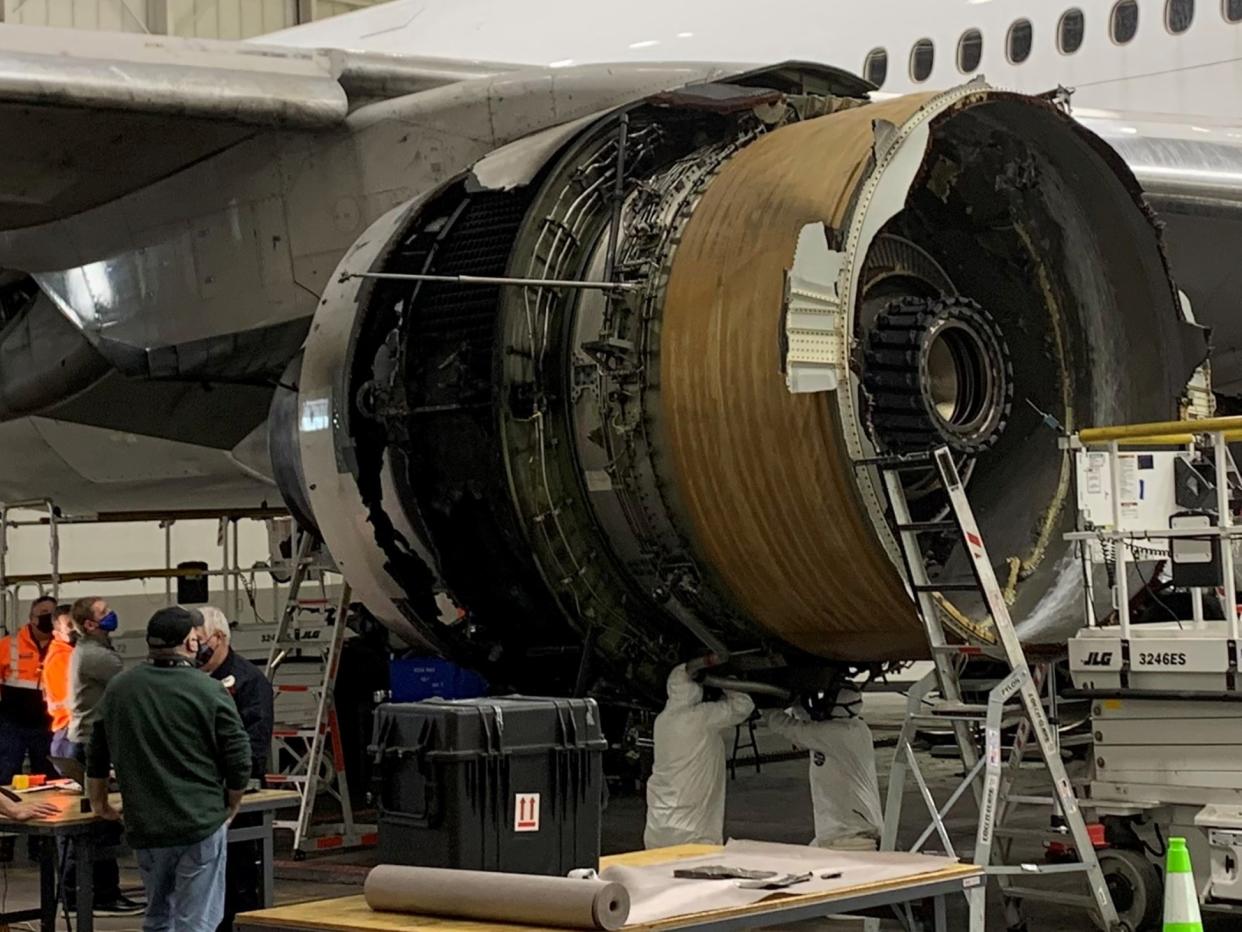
column 306, row 751
column 1017, row 696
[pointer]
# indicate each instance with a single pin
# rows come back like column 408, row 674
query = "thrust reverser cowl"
column 631, row 470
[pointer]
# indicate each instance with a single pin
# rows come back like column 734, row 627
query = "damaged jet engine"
column 604, row 393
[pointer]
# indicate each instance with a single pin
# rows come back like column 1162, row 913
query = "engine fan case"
column 763, row 474
column 764, row 477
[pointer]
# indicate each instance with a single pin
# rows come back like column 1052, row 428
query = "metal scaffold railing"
column 236, row 580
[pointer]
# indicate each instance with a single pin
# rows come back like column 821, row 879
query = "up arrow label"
column 526, row 812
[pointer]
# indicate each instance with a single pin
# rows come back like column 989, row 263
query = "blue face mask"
column 109, row 622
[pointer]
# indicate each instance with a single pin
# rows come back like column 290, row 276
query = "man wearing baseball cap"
column 182, row 761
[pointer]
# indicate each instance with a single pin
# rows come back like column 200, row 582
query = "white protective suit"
column 686, row 790
column 845, row 791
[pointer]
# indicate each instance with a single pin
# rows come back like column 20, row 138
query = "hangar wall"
column 204, row 19
column 135, row 546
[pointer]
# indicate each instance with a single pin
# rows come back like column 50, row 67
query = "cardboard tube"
column 523, row 899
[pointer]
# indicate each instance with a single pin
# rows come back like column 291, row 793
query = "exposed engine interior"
column 601, row 478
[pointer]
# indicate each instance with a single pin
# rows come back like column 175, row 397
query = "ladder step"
column 947, row 587
column 295, row 733
column 972, row 650
column 922, row 526
column 896, row 462
column 1034, row 834
column 1078, row 900
column 946, row 709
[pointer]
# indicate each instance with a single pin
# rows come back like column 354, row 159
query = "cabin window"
column 1125, row 19
column 1021, row 35
column 1178, row 15
column 922, row 60
column 970, row 50
column 875, row 67
column 1070, row 31
column 1232, row 11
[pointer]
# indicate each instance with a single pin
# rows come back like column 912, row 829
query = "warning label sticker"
column 526, row 812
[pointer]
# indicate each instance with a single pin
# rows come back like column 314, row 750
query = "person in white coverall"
column 845, row 792
column 686, row 790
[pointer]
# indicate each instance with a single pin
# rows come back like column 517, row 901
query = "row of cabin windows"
column 1071, row 30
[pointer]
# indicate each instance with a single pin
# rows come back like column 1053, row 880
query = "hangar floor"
column 772, row 805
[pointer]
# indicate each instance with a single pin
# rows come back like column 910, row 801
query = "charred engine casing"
column 576, row 486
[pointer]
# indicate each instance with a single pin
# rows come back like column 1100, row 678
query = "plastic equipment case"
column 510, row 784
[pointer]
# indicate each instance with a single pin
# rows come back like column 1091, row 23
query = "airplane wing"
column 1191, row 172
column 89, row 116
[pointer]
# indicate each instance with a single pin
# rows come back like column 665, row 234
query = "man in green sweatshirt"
column 182, row 760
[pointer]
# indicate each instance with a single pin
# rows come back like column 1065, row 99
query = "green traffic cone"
column 1181, row 900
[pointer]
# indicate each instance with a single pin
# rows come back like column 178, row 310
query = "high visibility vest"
column 21, row 661
column 56, row 684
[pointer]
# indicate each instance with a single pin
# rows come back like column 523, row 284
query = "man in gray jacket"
column 94, row 664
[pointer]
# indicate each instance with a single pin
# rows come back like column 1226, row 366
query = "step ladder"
column 1017, row 697
column 306, row 746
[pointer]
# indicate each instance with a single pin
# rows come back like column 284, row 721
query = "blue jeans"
column 63, row 747
column 185, row 884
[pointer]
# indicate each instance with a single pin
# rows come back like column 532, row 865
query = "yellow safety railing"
column 1163, row 433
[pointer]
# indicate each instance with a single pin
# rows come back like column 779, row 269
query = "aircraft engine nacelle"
column 569, row 485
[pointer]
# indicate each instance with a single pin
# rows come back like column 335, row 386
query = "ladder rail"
column 990, row 774
column 1030, row 693
column 911, row 555
column 326, row 728
column 314, row 748
column 288, row 616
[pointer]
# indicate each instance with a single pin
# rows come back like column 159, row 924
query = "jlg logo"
column 1097, row 658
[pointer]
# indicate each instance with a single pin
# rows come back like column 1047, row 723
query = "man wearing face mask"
column 253, row 696
column 92, row 666
column 245, row 682
column 182, row 761
column 24, row 725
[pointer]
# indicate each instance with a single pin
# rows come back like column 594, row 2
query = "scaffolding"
column 236, row 580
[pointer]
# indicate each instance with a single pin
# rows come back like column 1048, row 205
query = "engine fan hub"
column 938, row 372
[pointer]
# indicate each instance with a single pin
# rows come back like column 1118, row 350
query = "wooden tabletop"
column 353, row 913
column 72, row 817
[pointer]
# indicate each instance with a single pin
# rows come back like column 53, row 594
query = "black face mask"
column 203, row 655
column 44, row 623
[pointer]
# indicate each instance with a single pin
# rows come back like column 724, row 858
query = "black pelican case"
column 506, row 784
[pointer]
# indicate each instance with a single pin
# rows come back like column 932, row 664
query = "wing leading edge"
column 96, row 115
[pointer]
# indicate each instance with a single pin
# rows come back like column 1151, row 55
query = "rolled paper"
column 523, row 899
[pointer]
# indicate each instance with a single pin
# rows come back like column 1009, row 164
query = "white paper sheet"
column 655, row 894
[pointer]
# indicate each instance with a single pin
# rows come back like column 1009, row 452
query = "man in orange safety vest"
column 25, row 729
